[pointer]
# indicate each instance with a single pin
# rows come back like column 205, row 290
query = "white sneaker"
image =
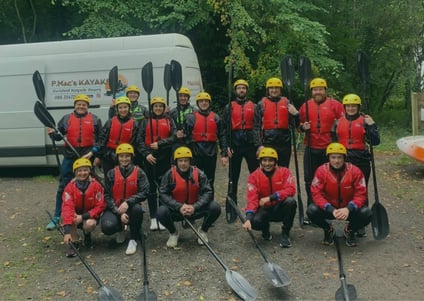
column 120, row 237
column 156, row 225
column 132, row 247
column 172, row 240
column 203, row 235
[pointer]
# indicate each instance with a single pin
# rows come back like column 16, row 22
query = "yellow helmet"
column 241, row 82
column 182, row 152
column 133, row 88
column 318, row 82
column 274, row 82
column 158, row 99
column 123, row 99
column 352, row 99
column 125, row 148
column 203, row 95
column 268, row 152
column 80, row 163
column 82, row 97
column 336, row 148
column 184, row 90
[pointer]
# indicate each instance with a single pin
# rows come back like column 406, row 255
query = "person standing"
column 203, row 130
column 138, row 111
column 278, row 115
column 241, row 139
column 354, row 130
column 185, row 192
column 126, row 187
column 155, row 141
column 82, row 130
column 122, row 128
column 83, row 203
column 317, row 116
column 339, row 192
column 179, row 114
column 270, row 191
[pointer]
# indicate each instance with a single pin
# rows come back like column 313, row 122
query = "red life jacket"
column 332, row 186
column 85, row 201
column 351, row 133
column 205, row 128
column 186, row 192
column 275, row 114
column 80, row 132
column 123, row 188
column 161, row 130
column 242, row 115
column 120, row 132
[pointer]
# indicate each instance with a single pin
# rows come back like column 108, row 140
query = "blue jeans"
column 66, row 175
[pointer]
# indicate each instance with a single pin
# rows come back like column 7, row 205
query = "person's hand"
column 154, row 146
column 306, row 125
column 292, row 109
column 123, row 208
column 230, row 152
column 88, row 155
column 125, row 218
column 263, row 201
column 224, row 161
column 247, row 225
column 50, row 131
column 368, row 120
column 112, row 103
column 186, row 210
column 167, row 109
column 341, row 214
column 97, row 162
column 259, row 150
column 180, row 134
column 77, row 219
column 67, row 238
column 151, row 159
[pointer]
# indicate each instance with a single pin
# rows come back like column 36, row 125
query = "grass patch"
column 45, row 178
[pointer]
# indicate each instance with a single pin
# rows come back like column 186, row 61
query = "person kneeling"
column 82, row 204
column 126, row 187
column 185, row 192
column 339, row 192
column 270, row 191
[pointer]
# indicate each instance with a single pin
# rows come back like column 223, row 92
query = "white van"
column 73, row 67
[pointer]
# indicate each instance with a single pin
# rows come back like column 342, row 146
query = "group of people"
column 169, row 158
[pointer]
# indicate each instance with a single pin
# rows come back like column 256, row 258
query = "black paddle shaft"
column 167, row 81
column 176, row 82
column 113, row 80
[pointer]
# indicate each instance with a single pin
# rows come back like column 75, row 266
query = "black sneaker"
column 266, row 236
column 350, row 237
column 285, row 241
column 71, row 251
column 328, row 236
column 87, row 239
column 361, row 232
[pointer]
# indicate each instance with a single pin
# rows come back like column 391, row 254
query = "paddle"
column 230, row 214
column 105, row 293
column 236, row 281
column 346, row 292
column 41, row 94
column 176, row 82
column 167, row 81
column 147, row 80
column 273, row 272
column 305, row 77
column 113, row 81
column 287, row 72
column 147, row 294
column 379, row 219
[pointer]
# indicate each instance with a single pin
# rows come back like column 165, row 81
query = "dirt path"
column 33, row 265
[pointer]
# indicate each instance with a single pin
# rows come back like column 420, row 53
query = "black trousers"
column 357, row 219
column 247, row 152
column 111, row 223
column 282, row 212
column 312, row 159
column 210, row 214
column 208, row 165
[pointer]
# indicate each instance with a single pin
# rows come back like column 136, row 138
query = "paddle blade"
column 43, row 115
column 39, row 86
column 113, row 80
column 147, row 77
column 150, row 296
column 362, row 63
column 379, row 221
column 348, row 294
column 109, row 294
column 167, row 77
column 287, row 71
column 305, row 71
column 276, row 275
column 176, row 75
column 240, row 286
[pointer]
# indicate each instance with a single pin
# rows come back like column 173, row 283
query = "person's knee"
column 108, row 227
column 214, row 208
column 312, row 211
column 162, row 212
column 137, row 210
column 89, row 225
column 290, row 202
